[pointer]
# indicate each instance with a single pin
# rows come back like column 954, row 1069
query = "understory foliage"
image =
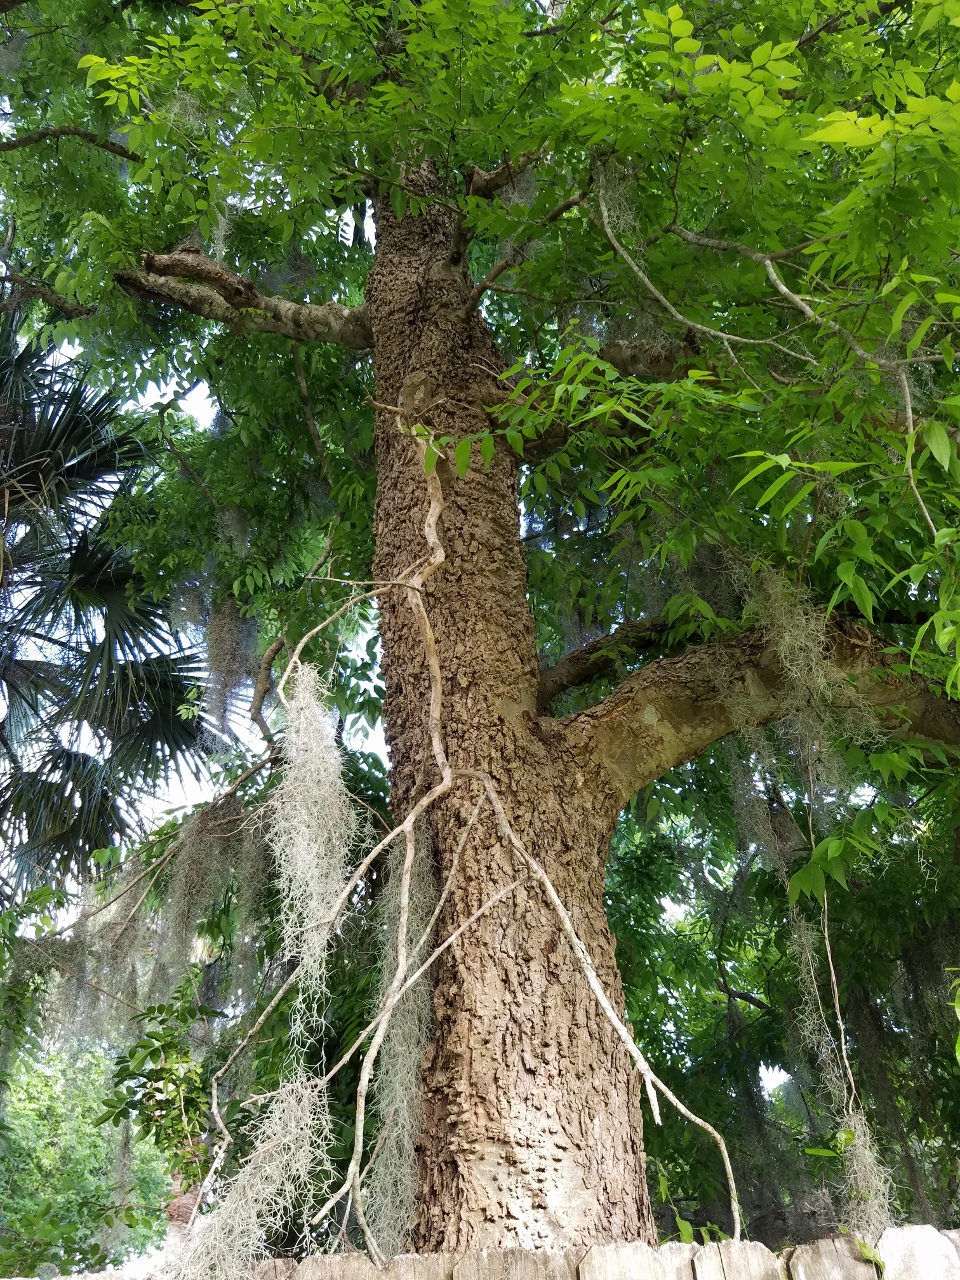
column 721, row 264
column 76, row 1196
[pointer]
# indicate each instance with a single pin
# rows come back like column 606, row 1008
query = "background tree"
column 726, row 289
column 92, row 674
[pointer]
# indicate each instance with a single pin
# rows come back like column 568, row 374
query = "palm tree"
column 92, row 675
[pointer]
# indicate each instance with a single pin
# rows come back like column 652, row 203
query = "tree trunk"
column 532, row 1130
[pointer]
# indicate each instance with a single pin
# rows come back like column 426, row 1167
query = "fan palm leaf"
column 92, row 675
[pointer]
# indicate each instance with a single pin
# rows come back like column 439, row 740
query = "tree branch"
column 513, row 257
column 831, row 25
column 656, row 361
column 670, row 711
column 598, row 658
column 691, row 326
column 69, row 131
column 307, row 406
column 28, row 288
column 485, row 183
column 766, row 260
column 731, row 993
column 193, row 282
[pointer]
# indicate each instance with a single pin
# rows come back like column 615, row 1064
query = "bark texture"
column 532, row 1132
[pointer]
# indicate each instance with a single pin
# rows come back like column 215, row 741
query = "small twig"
column 262, row 688
column 377, row 1256
column 908, row 465
column 737, row 365
column 88, row 915
column 226, row 1141
column 315, row 631
column 156, row 869
column 512, row 257
column 184, row 462
column 766, row 260
column 672, row 310
column 38, row 942
column 370, row 809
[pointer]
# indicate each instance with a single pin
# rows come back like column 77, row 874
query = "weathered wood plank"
column 917, row 1253
column 677, row 1260
column 421, row 1266
column 834, row 1259
column 637, row 1261
column 737, row 1260
column 515, row 1264
column 275, row 1268
column 337, row 1266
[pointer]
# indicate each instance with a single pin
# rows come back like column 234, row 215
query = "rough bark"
column 532, row 1133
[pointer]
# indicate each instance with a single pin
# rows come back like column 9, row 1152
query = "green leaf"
column 919, row 334
column 939, row 443
column 844, row 133
column 798, row 498
column 487, row 449
column 757, row 471
column 774, row 489
column 863, row 596
column 902, row 307
column 685, row 1229
column 461, row 456
column 835, row 868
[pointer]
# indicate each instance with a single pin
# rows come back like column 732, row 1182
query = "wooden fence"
column 908, row 1253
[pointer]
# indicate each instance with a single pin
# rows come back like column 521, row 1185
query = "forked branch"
column 193, row 282
column 673, row 709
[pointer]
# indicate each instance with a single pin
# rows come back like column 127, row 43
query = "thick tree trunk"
column 532, row 1131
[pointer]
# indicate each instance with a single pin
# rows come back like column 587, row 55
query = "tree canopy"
column 656, row 306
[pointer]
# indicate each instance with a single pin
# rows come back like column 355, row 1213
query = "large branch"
column 671, row 710
column 598, row 658
column 54, row 132
column 192, row 282
column 665, row 361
